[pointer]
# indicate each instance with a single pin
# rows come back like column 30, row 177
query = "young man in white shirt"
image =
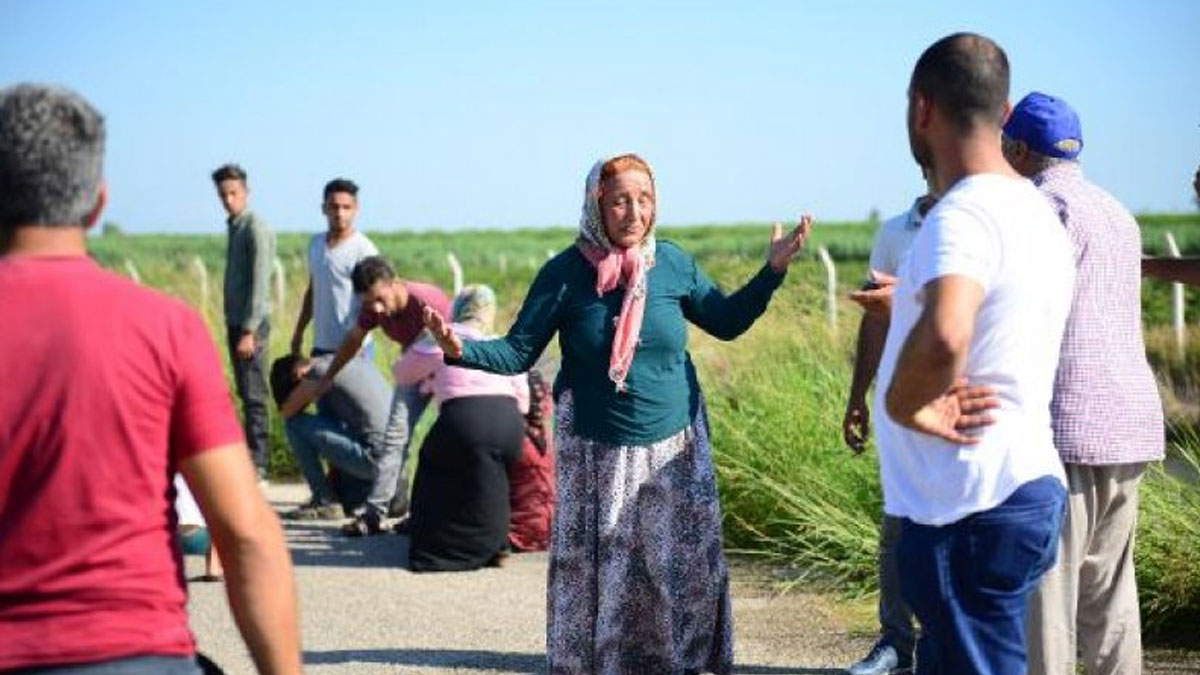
column 981, row 302
column 329, row 301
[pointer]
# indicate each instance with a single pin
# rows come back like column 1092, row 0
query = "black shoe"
column 364, row 526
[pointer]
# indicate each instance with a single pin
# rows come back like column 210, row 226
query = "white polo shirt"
column 1000, row 232
column 894, row 238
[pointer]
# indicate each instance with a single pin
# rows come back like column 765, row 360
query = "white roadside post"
column 1177, row 318
column 456, row 270
column 831, row 283
column 201, row 282
column 132, row 271
column 280, row 286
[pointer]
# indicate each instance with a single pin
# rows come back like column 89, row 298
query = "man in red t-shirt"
column 397, row 306
column 109, row 390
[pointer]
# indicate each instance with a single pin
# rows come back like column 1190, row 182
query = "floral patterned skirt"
column 638, row 582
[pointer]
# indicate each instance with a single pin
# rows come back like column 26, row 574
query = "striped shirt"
column 1106, row 408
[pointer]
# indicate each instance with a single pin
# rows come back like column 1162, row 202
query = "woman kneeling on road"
column 460, row 505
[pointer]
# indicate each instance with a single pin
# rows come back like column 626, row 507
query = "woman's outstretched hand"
column 785, row 247
column 440, row 330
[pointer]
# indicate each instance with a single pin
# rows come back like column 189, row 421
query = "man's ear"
column 923, row 112
column 93, row 216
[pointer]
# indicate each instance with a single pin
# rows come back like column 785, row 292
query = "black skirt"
column 460, row 507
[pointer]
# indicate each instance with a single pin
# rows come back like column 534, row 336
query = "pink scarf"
column 614, row 266
column 628, row 268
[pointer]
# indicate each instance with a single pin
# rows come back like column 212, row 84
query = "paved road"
column 362, row 613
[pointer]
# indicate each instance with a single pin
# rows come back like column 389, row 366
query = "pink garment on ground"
column 423, row 362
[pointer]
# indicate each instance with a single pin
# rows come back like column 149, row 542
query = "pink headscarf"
column 614, row 266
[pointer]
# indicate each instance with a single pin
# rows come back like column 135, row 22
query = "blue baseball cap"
column 1046, row 124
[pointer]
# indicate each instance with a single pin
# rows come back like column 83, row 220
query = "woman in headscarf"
column 638, row 582
column 460, row 502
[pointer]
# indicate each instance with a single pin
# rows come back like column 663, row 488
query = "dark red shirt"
column 406, row 324
column 107, row 386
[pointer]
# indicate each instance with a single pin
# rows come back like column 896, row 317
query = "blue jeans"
column 313, row 437
column 135, row 665
column 969, row 582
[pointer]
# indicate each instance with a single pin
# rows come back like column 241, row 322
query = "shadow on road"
column 322, row 545
column 480, row 660
column 488, row 661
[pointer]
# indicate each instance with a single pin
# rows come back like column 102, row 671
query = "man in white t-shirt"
column 981, row 303
column 329, row 301
column 897, row 639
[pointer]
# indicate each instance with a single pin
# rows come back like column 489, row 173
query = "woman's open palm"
column 440, row 330
column 785, row 247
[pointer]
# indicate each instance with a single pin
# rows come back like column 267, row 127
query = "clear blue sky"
column 479, row 114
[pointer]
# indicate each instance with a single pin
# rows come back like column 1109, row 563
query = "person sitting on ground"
column 531, row 477
column 460, row 507
column 355, row 431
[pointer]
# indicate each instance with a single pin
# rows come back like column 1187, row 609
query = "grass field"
column 792, row 493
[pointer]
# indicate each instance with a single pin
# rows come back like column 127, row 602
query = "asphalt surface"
column 362, row 612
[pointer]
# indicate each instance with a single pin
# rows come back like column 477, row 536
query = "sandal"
column 363, row 527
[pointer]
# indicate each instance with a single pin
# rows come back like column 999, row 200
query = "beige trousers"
column 1087, row 604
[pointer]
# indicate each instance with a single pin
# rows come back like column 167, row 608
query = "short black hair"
column 229, row 172
column 967, row 76
column 370, row 271
column 340, row 185
column 283, row 378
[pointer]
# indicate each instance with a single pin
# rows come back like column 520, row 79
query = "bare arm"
column 249, row 540
column 304, row 393
column 927, row 389
column 872, row 334
column 1182, row 270
column 299, row 399
column 346, row 351
column 302, row 321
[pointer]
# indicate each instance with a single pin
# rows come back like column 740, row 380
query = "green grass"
column 792, row 494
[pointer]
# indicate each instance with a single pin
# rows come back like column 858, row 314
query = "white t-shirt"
column 894, row 238
column 1000, row 232
column 335, row 305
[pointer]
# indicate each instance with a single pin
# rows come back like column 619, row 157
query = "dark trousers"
column 250, row 377
column 969, row 582
column 895, row 618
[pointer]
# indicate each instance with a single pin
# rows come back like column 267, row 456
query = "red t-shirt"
column 107, row 386
column 406, row 324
